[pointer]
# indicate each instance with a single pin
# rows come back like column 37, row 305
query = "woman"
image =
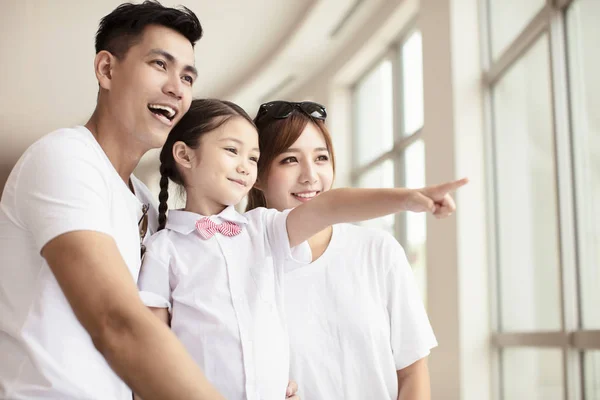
column 357, row 326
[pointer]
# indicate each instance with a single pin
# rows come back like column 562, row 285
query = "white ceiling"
column 248, row 49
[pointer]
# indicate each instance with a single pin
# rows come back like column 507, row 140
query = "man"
column 72, row 325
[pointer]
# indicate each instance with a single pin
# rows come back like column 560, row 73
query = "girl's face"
column 300, row 173
column 224, row 166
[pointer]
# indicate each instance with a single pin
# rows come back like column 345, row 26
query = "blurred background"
column 505, row 92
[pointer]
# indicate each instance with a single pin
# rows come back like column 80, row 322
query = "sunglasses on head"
column 283, row 109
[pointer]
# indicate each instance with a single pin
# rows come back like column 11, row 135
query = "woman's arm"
column 351, row 205
column 413, row 382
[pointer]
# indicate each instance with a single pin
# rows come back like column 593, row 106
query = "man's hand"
column 435, row 199
column 291, row 391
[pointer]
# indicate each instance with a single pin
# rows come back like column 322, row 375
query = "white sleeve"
column 275, row 223
column 153, row 282
column 411, row 334
column 61, row 187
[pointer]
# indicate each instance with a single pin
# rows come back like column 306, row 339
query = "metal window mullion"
column 399, row 145
column 586, row 340
column 398, row 124
column 562, row 4
column 565, row 189
column 496, row 390
column 531, row 339
column 538, row 25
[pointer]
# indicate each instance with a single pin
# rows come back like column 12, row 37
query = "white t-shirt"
column 64, row 182
column 354, row 317
column 225, row 296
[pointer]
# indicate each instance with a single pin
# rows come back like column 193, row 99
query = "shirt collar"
column 185, row 221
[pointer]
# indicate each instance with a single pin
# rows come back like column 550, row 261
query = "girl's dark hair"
column 204, row 115
column 123, row 27
column 275, row 136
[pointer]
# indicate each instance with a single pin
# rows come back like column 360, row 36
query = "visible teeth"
column 307, row 195
column 169, row 110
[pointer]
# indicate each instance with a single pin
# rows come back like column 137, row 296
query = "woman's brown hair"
column 275, row 136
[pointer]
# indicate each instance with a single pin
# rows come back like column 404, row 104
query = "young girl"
column 218, row 273
column 357, row 327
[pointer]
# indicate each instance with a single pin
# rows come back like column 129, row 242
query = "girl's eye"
column 231, row 150
column 254, row 159
column 161, row 64
column 289, row 160
column 323, row 158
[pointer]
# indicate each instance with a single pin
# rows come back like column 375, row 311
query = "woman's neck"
column 319, row 242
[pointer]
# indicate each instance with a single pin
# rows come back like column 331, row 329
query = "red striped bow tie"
column 207, row 228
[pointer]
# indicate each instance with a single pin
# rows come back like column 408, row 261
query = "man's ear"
column 181, row 155
column 104, row 62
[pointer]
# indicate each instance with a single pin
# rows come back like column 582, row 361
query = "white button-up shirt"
column 225, row 297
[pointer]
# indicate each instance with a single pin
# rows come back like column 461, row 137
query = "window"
column 544, row 93
column 387, row 146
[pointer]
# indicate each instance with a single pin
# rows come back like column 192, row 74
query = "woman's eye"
column 231, row 150
column 254, row 159
column 289, row 160
column 323, row 158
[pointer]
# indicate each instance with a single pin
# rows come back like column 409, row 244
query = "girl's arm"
column 413, row 382
column 351, row 205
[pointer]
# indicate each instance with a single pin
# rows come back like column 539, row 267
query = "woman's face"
column 300, row 173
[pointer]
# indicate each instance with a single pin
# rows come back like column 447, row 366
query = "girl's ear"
column 181, row 154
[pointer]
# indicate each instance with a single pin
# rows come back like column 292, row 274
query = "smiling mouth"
column 238, row 181
column 163, row 112
column 305, row 196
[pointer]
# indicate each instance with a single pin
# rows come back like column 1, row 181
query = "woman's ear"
column 181, row 154
column 258, row 184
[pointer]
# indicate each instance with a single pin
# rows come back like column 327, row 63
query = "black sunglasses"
column 283, row 109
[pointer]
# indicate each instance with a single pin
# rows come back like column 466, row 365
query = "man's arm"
column 138, row 346
column 413, row 381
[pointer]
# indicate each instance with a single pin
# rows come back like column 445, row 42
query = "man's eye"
column 161, row 64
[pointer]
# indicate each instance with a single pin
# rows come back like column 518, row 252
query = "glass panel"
column 508, row 18
column 381, row 176
column 527, row 195
column 412, row 81
column 592, row 374
column 415, row 228
column 584, row 64
column 373, row 114
column 532, row 374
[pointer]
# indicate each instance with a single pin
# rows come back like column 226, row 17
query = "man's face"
column 151, row 86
